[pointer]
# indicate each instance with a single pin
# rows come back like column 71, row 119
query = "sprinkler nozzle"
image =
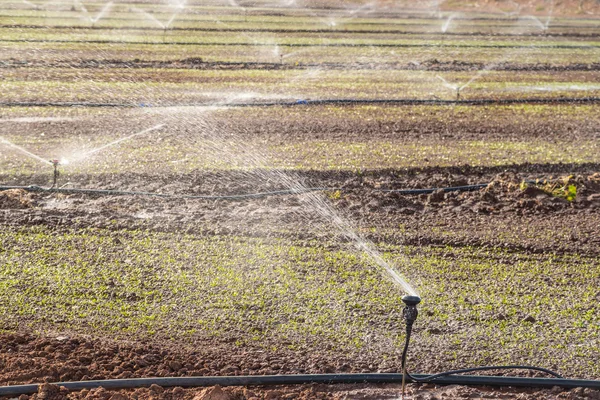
column 410, row 312
column 55, row 163
column 411, row 300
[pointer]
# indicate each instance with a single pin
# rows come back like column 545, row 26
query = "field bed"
column 184, row 86
column 57, row 51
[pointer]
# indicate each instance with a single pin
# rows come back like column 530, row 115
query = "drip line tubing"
column 317, row 30
column 257, row 12
column 503, row 23
column 475, row 102
column 328, row 66
column 265, row 380
column 393, row 45
column 164, row 195
column 107, row 192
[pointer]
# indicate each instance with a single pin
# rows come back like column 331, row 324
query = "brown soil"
column 25, row 358
column 15, row 199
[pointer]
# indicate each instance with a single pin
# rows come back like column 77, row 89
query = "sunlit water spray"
column 150, row 17
column 79, row 157
column 448, row 22
column 275, row 52
column 538, row 23
column 511, row 13
column 436, row 8
column 171, row 20
column 326, row 210
column 257, row 165
column 554, row 88
column 457, row 88
column 22, row 150
column 30, row 4
column 89, row 153
column 180, row 4
column 155, row 20
column 101, row 14
column 288, row 3
column 452, row 86
column 543, row 26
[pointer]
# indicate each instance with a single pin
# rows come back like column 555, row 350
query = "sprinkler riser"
column 55, row 163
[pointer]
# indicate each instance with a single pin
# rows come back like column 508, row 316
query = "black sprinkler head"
column 411, row 300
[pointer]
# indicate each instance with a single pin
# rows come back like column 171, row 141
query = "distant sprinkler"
column 56, row 163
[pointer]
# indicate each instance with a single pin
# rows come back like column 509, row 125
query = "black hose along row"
column 343, row 45
column 474, row 102
column 291, row 30
column 104, row 192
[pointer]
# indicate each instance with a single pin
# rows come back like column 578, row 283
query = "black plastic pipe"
column 107, row 192
column 267, row 380
column 297, row 30
column 292, row 45
column 407, row 102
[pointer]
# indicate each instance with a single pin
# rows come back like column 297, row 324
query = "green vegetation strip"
column 488, row 305
column 177, row 157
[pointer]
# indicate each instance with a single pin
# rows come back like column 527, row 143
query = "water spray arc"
column 162, row 25
column 94, row 19
column 115, row 142
column 22, row 150
column 56, row 163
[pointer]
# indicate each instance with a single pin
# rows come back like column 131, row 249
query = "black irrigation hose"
column 107, row 192
column 355, row 20
column 341, row 45
column 344, row 21
column 266, row 380
column 318, row 30
column 101, row 192
column 410, row 314
column 436, row 377
column 474, row 102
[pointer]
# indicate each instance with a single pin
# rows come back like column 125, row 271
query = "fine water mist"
column 227, row 145
column 87, row 154
column 156, row 21
column 448, row 21
column 22, row 150
column 101, row 14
